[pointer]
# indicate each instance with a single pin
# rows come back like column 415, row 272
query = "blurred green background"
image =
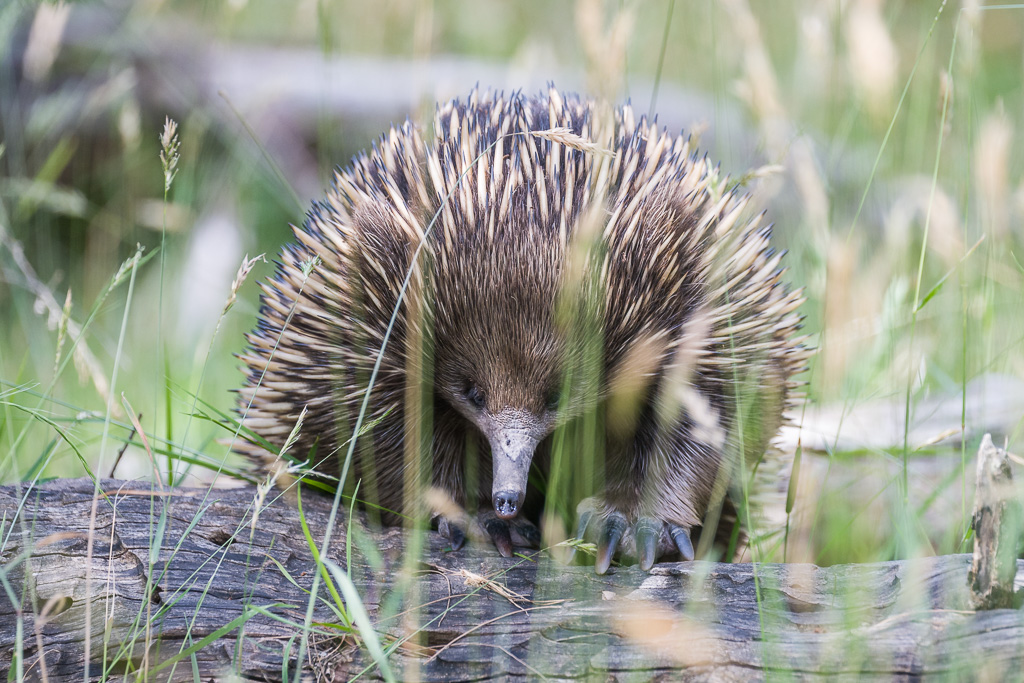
column 884, row 139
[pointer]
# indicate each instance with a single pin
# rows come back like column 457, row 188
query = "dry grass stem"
column 631, row 380
column 169, row 152
column 45, row 302
column 908, row 213
column 566, row 137
column 766, row 171
column 474, row 580
column 992, row 171
column 62, row 331
column 759, row 85
column 939, row 438
column 661, row 632
column 813, row 192
column 872, row 57
column 240, row 276
column 277, row 472
column 137, row 427
column 44, row 39
column 439, row 502
column 839, row 295
column 604, row 45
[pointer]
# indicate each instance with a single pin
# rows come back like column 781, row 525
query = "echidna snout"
column 513, row 436
column 512, row 450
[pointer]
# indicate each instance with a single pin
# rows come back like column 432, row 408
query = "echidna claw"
column 647, row 531
column 457, row 537
column 681, row 537
column 614, row 528
column 581, row 526
column 529, row 532
column 645, row 540
column 451, row 531
column 581, row 530
column 497, row 529
column 507, row 533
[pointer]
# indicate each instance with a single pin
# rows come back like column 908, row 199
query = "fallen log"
column 186, row 571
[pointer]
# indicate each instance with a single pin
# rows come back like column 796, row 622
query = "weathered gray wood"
column 997, row 527
column 692, row 621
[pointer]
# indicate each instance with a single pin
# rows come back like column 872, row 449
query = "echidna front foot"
column 451, row 531
column 504, row 533
column 645, row 538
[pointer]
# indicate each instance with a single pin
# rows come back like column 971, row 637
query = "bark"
column 180, row 569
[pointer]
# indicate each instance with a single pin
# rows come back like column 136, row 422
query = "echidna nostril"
column 506, row 504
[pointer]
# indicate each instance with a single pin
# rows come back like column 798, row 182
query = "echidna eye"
column 553, row 398
column 475, row 396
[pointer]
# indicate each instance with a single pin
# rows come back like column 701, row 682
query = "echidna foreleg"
column 646, row 539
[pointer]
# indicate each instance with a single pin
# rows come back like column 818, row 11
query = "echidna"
column 530, row 225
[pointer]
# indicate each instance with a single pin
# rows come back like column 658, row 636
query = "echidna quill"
column 530, row 225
